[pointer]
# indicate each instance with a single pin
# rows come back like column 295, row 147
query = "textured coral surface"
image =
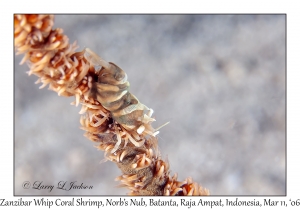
column 220, row 80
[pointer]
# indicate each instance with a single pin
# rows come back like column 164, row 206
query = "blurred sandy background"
column 219, row 80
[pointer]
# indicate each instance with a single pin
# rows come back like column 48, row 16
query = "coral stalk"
column 124, row 133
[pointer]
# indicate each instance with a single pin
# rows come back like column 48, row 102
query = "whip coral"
column 110, row 114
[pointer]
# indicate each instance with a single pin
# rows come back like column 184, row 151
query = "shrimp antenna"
column 162, row 126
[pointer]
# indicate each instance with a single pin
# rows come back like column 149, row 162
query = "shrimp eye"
column 119, row 77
